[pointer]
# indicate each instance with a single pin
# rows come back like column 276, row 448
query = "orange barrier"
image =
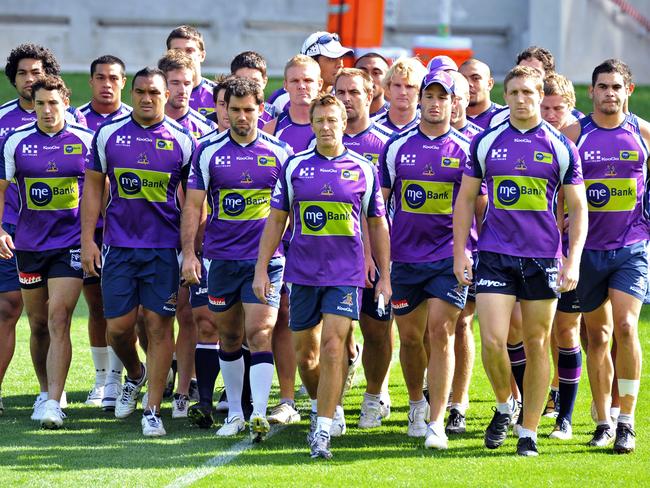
column 359, row 23
column 426, row 53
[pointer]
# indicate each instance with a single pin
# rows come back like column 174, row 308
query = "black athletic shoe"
column 455, row 423
column 603, row 436
column 497, row 431
column 526, row 447
column 200, row 415
column 625, row 442
column 320, row 446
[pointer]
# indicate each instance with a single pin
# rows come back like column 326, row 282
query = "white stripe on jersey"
column 8, row 107
column 485, row 143
column 102, row 135
column 183, row 137
column 208, row 148
column 392, row 150
column 10, row 146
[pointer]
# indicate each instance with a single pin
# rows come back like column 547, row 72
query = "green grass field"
column 94, row 448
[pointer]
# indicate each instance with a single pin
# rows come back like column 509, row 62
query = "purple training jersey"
column 144, row 166
column 279, row 99
column 370, row 143
column 94, row 119
column 483, row 119
column 614, row 162
column 384, row 108
column 298, row 136
column 326, row 197
column 424, row 174
column 238, row 180
column 523, row 171
column 388, row 123
column 196, row 123
column 201, row 98
column 470, row 131
column 48, row 170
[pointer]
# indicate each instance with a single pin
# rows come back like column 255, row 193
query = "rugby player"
column 401, row 83
column 523, row 162
column 237, row 169
column 326, row 189
column 189, row 40
column 146, row 156
column 178, row 69
column 614, row 267
column 326, row 49
column 25, row 63
column 354, row 88
column 250, row 64
column 480, row 109
column 422, row 170
column 47, row 160
column 376, row 66
column 107, row 80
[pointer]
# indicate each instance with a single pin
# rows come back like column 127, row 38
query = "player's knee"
column 493, row 345
column 410, row 338
column 625, row 331
column 260, row 339
column 307, row 359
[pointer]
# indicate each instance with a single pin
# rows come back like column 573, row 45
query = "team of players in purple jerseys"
column 367, row 193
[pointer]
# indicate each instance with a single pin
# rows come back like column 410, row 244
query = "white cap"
column 325, row 44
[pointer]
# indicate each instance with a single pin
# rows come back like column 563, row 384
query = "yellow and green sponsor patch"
column 164, row 145
column 427, row 197
column 142, row 184
column 520, row 193
column 543, row 157
column 611, row 194
column 626, row 155
column 326, row 218
column 72, row 149
column 52, row 193
column 350, row 175
column 372, row 157
column 447, row 162
column 244, row 204
column 268, row 161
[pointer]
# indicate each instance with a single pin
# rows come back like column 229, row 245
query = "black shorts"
column 36, row 267
column 99, row 238
column 525, row 278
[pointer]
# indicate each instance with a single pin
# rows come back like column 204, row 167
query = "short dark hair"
column 186, row 32
column 524, row 72
column 541, row 54
column 324, row 100
column 175, row 59
column 148, row 72
column 248, row 59
column 220, row 83
column 242, row 87
column 31, row 51
column 108, row 59
column 50, row 83
column 613, row 66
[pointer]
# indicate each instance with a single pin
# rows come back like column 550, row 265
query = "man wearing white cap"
column 326, row 49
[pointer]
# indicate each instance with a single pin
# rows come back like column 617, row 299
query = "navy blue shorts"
column 8, row 271
column 568, row 302
column 624, row 269
column 414, row 283
column 231, row 282
column 525, row 278
column 199, row 293
column 307, row 304
column 471, row 289
column 369, row 305
column 36, row 267
column 147, row 277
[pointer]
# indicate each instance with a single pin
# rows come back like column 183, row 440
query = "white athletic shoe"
column 95, row 396
column 39, row 406
column 231, row 427
column 284, row 413
column 384, row 405
column 370, row 416
column 111, row 392
column 352, row 371
column 222, row 404
column 152, row 425
column 179, row 406
column 52, row 415
column 417, row 420
column 562, row 430
column 128, row 398
column 338, row 427
column 259, row 427
column 435, row 437
column 64, row 400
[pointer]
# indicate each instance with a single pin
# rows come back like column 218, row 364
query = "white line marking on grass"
column 220, row 459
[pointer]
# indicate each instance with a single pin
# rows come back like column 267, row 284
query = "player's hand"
column 91, row 258
column 262, row 285
column 463, row 270
column 6, row 245
column 191, row 270
column 383, row 287
column 370, row 269
column 569, row 275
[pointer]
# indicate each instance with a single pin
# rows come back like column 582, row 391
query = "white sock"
column 232, row 373
column 504, row 408
column 100, row 360
column 314, row 405
column 461, row 407
column 626, row 418
column 261, row 377
column 371, row 398
column 417, row 403
column 323, row 424
column 115, row 367
column 527, row 433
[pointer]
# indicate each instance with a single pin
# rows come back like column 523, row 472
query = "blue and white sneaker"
column 320, row 446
